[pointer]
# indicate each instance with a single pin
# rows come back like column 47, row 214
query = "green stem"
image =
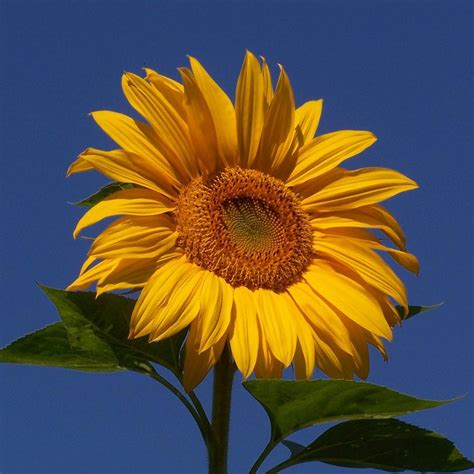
column 204, row 427
column 281, row 466
column 222, row 392
column 268, row 449
column 202, row 413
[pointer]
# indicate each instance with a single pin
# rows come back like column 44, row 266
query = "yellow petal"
column 267, row 82
column 249, row 109
column 331, row 360
column 136, row 237
column 135, row 202
column 135, row 137
column 278, row 130
column 305, row 356
column 244, row 332
column 197, row 365
column 388, row 307
column 321, row 315
column 378, row 344
column 309, row 188
column 390, row 227
column 182, row 307
column 359, row 188
column 405, row 259
column 276, row 319
column 123, row 166
column 172, row 90
column 201, row 124
column 350, row 298
column 370, row 217
column 365, row 263
column 307, row 117
column 161, row 291
column 93, row 274
column 266, row 366
column 214, row 317
column 360, row 348
column 324, row 153
column 87, row 263
column 222, row 112
column 79, row 166
column 133, row 273
column 171, row 130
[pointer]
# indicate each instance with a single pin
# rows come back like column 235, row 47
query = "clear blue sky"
column 402, row 69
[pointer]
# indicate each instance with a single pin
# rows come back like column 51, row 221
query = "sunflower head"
column 242, row 226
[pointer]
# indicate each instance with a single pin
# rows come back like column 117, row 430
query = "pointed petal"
column 320, row 315
column 278, row 130
column 305, row 355
column 276, row 320
column 378, row 344
column 403, row 258
column 92, row 275
column 135, row 137
column 359, row 188
column 133, row 273
column 267, row 365
column 390, row 227
column 123, row 166
column 182, row 307
column 171, row 130
column 370, row 217
column 87, row 263
column 331, row 360
column 136, row 202
column 325, row 152
column 307, row 117
column 365, row 263
column 222, row 112
column 360, row 351
column 249, row 109
column 79, row 166
column 201, row 124
column 197, row 365
column 135, row 237
column 347, row 296
column 244, row 332
column 214, row 316
column 267, row 82
column 161, row 291
column 172, row 90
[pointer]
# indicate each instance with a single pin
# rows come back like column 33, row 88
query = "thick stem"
column 222, row 393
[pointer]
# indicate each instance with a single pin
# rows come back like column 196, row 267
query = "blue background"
column 402, row 69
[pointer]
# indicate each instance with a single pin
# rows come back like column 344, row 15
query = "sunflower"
column 242, row 226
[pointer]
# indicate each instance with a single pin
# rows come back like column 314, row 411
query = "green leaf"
column 103, row 323
column 50, row 346
column 294, row 405
column 389, row 445
column 108, row 189
column 414, row 310
column 93, row 337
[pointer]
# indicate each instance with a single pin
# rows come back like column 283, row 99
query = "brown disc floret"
column 245, row 226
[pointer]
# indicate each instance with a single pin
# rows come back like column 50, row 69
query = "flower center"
column 251, row 224
column 245, row 226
